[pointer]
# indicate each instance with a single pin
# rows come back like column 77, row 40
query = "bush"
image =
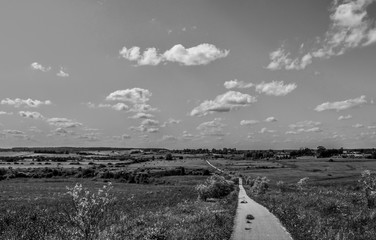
column 168, row 156
column 368, row 185
column 260, row 185
column 302, row 183
column 88, row 214
column 214, row 187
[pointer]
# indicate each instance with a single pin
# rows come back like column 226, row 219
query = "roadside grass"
column 37, row 209
column 317, row 212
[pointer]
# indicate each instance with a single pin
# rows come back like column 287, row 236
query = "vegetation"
column 118, row 211
column 215, row 186
column 325, row 212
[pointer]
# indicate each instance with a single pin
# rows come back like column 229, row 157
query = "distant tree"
column 168, row 156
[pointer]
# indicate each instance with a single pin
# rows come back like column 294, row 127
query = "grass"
column 322, row 212
column 35, row 209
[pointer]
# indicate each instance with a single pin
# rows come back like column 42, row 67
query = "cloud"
column 147, row 125
column 237, row 84
column 33, row 115
column 142, row 115
column 344, row 117
column 170, row 121
column 199, row 55
column 350, row 27
column 265, row 130
column 62, row 73
column 125, row 136
column 342, row 105
column 143, row 107
column 248, row 122
column 27, row 102
column 169, row 138
column 37, row 66
column 275, row 88
column 304, row 127
column 61, row 132
column 5, row 113
column 270, row 119
column 371, row 127
column 133, row 95
column 13, row 132
column 120, row 107
column 223, row 103
column 90, row 137
column 63, row 123
column 304, row 124
column 212, row 128
column 302, row 130
column 358, row 125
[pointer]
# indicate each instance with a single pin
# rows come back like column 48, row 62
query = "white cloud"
column 275, row 88
column 37, row 66
column 13, row 132
column 63, row 122
column 147, row 125
column 6, row 113
column 142, row 115
column 223, row 103
column 27, row 102
column 344, row 117
column 170, row 121
column 342, row 105
column 169, row 138
column 126, row 136
column 270, row 119
column 237, row 84
column 358, row 125
column 248, row 122
column 212, row 128
column 143, row 107
column 62, row 73
column 133, row 95
column 350, row 27
column 371, row 127
column 199, row 55
column 265, row 130
column 304, row 124
column 33, row 115
column 120, row 107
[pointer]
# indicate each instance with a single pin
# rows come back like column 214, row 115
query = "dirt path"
column 264, row 226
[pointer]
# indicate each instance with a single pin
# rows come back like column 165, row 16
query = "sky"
column 245, row 74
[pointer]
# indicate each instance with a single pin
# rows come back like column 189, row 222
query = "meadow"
column 40, row 206
column 155, row 198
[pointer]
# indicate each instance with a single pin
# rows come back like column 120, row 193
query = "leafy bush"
column 368, row 184
column 259, row 185
column 88, row 213
column 302, row 183
column 214, row 187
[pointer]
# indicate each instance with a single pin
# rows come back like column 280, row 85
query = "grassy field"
column 331, row 204
column 35, row 209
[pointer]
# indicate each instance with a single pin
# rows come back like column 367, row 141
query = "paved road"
column 264, row 226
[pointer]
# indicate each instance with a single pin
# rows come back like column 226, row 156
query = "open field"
column 320, row 170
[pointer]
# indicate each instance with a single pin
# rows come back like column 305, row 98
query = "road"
column 264, row 226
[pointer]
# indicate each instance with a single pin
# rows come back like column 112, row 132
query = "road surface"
column 264, row 226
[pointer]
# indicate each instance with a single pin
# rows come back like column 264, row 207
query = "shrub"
column 302, row 183
column 260, row 185
column 368, row 185
column 214, row 187
column 168, row 156
column 281, row 185
column 87, row 215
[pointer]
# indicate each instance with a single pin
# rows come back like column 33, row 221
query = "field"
column 156, row 197
column 168, row 208
column 330, row 204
